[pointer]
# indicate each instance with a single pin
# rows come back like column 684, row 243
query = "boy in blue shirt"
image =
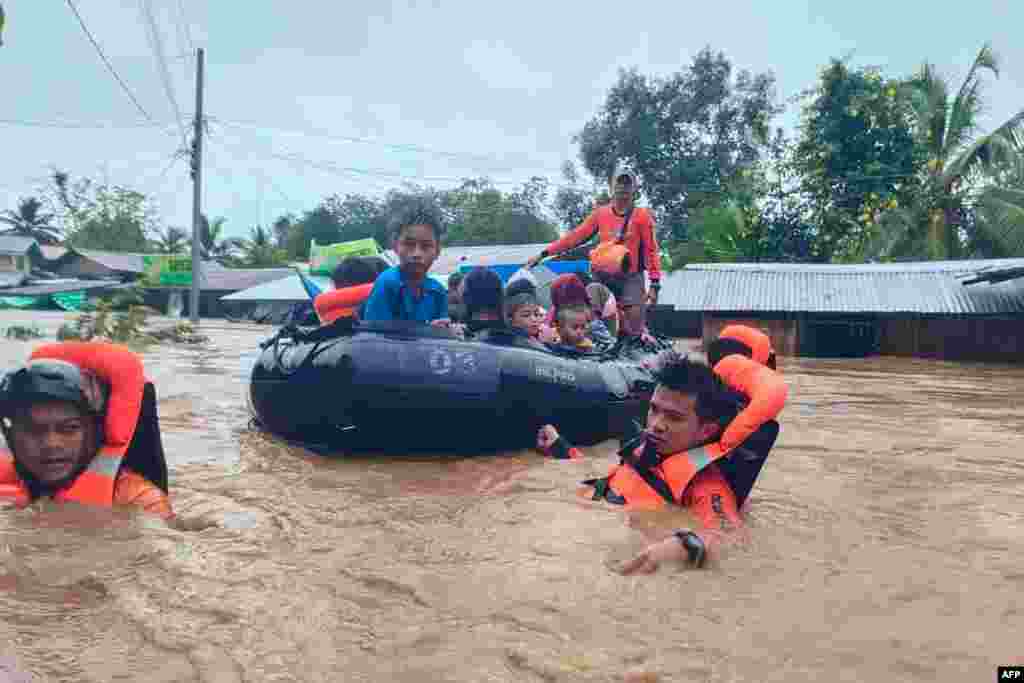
column 404, row 292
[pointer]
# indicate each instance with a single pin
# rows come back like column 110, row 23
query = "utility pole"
column 197, row 187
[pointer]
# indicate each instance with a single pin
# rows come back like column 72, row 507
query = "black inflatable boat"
column 406, row 386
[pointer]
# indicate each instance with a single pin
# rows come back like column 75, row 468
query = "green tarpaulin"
column 18, row 301
column 70, row 301
column 65, row 301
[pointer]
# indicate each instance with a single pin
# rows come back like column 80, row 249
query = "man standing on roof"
column 628, row 246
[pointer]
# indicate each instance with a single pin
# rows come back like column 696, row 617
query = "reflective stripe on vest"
column 677, row 471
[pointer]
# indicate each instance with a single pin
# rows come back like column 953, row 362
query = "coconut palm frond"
column 1000, row 146
column 1000, row 212
column 897, row 228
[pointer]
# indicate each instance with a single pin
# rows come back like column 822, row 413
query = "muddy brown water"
column 886, row 546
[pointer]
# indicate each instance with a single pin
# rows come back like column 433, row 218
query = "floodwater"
column 886, row 546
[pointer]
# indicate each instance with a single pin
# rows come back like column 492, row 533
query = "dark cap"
column 52, row 380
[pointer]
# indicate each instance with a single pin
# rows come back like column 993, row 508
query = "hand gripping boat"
column 386, row 386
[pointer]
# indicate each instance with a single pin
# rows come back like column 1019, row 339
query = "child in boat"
column 404, row 292
column 605, row 312
column 353, row 281
column 522, row 309
column 572, row 323
column 484, row 298
column 567, row 290
column 456, row 309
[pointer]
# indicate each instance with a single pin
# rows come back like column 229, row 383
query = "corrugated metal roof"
column 122, row 262
column 913, row 288
column 288, row 289
column 237, row 279
column 11, row 279
column 15, row 244
column 964, row 266
column 59, row 287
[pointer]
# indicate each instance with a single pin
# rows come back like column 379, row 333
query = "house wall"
column 955, row 338
column 782, row 332
column 15, row 263
column 210, row 305
column 668, row 322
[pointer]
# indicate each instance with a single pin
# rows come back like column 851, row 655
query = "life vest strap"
column 603, row 491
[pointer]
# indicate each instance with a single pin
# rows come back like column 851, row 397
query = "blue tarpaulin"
column 507, row 270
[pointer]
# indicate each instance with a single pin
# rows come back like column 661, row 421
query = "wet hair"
column 519, row 293
column 568, row 290
column 482, row 291
column 724, row 346
column 564, row 312
column 418, row 213
column 713, row 400
column 358, row 270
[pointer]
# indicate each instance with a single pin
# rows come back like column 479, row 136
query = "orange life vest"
column 759, row 342
column 123, row 371
column 765, row 390
column 340, row 303
column 675, row 472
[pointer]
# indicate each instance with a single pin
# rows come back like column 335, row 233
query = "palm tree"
column 998, row 215
column 213, row 245
column 28, row 221
column 960, row 166
column 260, row 251
column 172, row 241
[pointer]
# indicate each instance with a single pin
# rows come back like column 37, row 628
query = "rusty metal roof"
column 926, row 288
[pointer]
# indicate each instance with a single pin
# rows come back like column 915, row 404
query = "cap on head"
column 625, row 173
column 52, row 380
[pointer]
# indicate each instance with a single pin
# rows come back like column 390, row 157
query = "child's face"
column 572, row 327
column 417, row 249
column 527, row 317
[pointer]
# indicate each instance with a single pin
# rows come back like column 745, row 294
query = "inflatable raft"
column 388, row 386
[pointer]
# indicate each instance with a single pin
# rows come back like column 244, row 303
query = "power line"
column 106, row 61
column 156, row 45
column 78, row 126
column 185, row 27
column 367, row 141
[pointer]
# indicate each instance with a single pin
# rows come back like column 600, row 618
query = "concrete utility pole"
column 197, row 194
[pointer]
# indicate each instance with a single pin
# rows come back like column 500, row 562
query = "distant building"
column 16, row 257
column 89, row 264
column 912, row 309
column 217, row 282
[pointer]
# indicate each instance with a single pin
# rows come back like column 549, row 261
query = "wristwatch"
column 695, row 548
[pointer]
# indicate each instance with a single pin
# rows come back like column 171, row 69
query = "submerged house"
column 216, row 283
column 89, row 264
column 909, row 309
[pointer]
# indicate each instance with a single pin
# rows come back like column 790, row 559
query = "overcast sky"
column 356, row 96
